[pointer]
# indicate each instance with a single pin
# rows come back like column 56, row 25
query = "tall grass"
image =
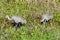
column 31, row 10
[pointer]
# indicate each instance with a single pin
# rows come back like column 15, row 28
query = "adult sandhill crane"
column 18, row 20
column 46, row 17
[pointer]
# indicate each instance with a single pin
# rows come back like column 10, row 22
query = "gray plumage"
column 46, row 17
column 17, row 20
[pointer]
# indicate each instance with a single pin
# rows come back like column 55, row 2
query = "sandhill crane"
column 18, row 20
column 46, row 17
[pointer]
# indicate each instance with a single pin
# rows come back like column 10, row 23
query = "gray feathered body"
column 46, row 17
column 18, row 19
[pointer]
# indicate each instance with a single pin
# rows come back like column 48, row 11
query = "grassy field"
column 30, row 10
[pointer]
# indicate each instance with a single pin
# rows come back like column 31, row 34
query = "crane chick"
column 46, row 17
column 17, row 20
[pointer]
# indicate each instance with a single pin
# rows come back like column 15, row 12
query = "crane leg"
column 16, row 26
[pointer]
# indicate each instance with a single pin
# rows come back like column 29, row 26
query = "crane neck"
column 9, row 18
